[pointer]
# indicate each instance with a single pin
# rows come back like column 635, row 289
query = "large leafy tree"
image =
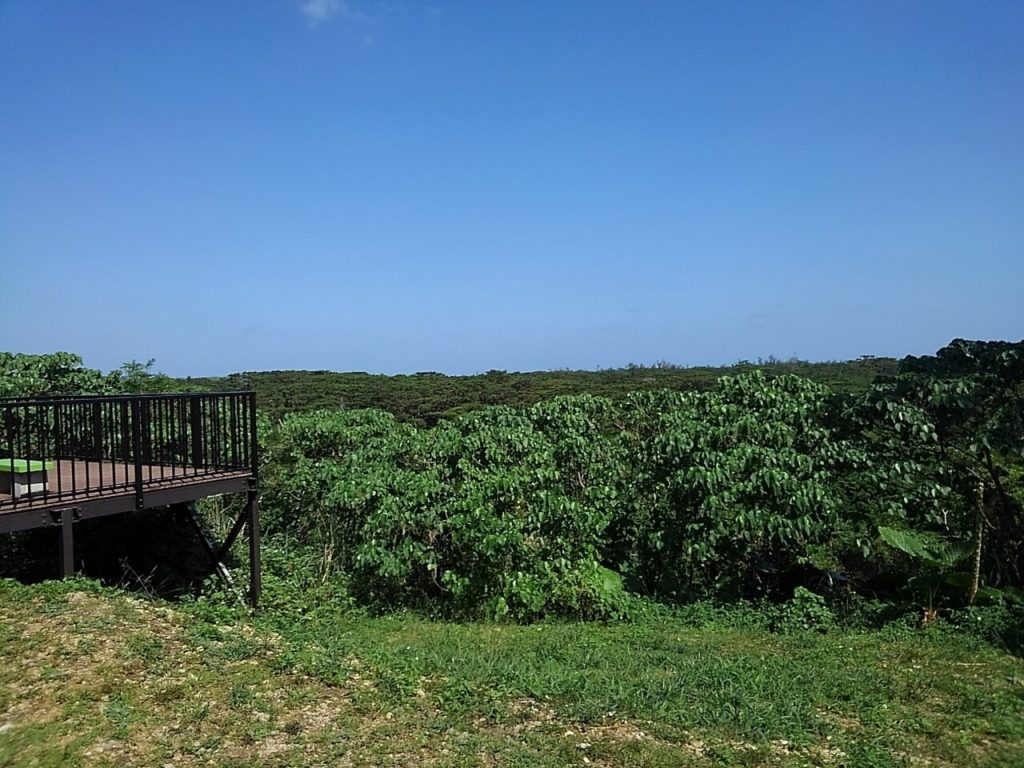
column 962, row 410
column 60, row 373
column 63, row 373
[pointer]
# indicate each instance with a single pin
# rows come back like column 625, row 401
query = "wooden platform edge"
column 89, row 507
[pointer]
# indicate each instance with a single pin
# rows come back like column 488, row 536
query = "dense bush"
column 326, row 472
column 750, row 489
column 759, row 487
column 486, row 514
column 731, row 486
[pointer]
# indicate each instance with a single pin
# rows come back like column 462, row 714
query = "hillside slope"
column 92, row 677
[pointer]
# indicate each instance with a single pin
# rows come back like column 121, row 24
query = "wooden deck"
column 95, row 489
column 175, row 448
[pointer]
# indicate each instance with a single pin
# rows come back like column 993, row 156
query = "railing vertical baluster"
column 186, row 451
column 182, row 446
column 26, row 438
column 226, row 424
column 40, row 450
column 243, row 443
column 211, row 432
column 218, row 447
column 35, row 437
column 129, row 454
column 117, row 442
column 113, row 441
column 76, row 439
column 107, row 438
column 118, row 425
column 146, row 427
column 197, row 432
column 10, row 417
column 220, row 432
column 229, row 454
column 254, row 450
column 179, row 436
column 16, row 431
column 169, row 433
column 149, row 445
column 245, row 431
column 29, row 445
column 58, row 447
column 137, row 450
column 80, row 445
column 207, row 436
column 180, row 442
column 241, row 433
column 233, row 399
column 161, row 415
column 97, row 426
column 20, row 446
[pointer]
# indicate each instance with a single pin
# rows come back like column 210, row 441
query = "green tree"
column 135, row 378
column 963, row 409
column 60, row 373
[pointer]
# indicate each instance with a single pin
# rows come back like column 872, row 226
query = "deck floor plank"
column 74, row 481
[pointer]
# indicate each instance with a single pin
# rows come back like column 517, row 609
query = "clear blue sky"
column 398, row 186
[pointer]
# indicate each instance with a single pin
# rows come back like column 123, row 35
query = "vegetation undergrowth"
column 92, row 677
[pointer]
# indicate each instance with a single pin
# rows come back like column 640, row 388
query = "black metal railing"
column 72, row 447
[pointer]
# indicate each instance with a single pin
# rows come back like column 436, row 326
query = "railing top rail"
column 57, row 399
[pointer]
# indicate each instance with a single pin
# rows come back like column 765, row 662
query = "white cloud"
column 319, row 11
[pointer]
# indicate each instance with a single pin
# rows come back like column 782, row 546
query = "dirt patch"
column 119, row 682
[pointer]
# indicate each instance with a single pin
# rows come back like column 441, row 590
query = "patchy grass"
column 91, row 677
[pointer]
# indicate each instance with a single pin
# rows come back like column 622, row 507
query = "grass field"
column 93, row 677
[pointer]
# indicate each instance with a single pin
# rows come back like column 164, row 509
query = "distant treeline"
column 425, row 399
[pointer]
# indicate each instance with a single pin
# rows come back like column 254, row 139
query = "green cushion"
column 24, row 465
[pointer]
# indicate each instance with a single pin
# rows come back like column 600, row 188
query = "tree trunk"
column 979, row 531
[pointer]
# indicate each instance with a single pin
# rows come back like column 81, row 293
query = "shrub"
column 492, row 524
column 806, row 611
column 497, row 513
column 737, row 484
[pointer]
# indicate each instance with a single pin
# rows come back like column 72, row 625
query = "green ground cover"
column 93, row 677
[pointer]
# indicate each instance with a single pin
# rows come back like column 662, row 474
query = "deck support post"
column 252, row 513
column 66, row 544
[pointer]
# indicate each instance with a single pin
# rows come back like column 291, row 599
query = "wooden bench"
column 21, row 477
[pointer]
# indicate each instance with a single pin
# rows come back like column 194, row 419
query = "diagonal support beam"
column 232, row 535
column 249, row 518
column 219, row 567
